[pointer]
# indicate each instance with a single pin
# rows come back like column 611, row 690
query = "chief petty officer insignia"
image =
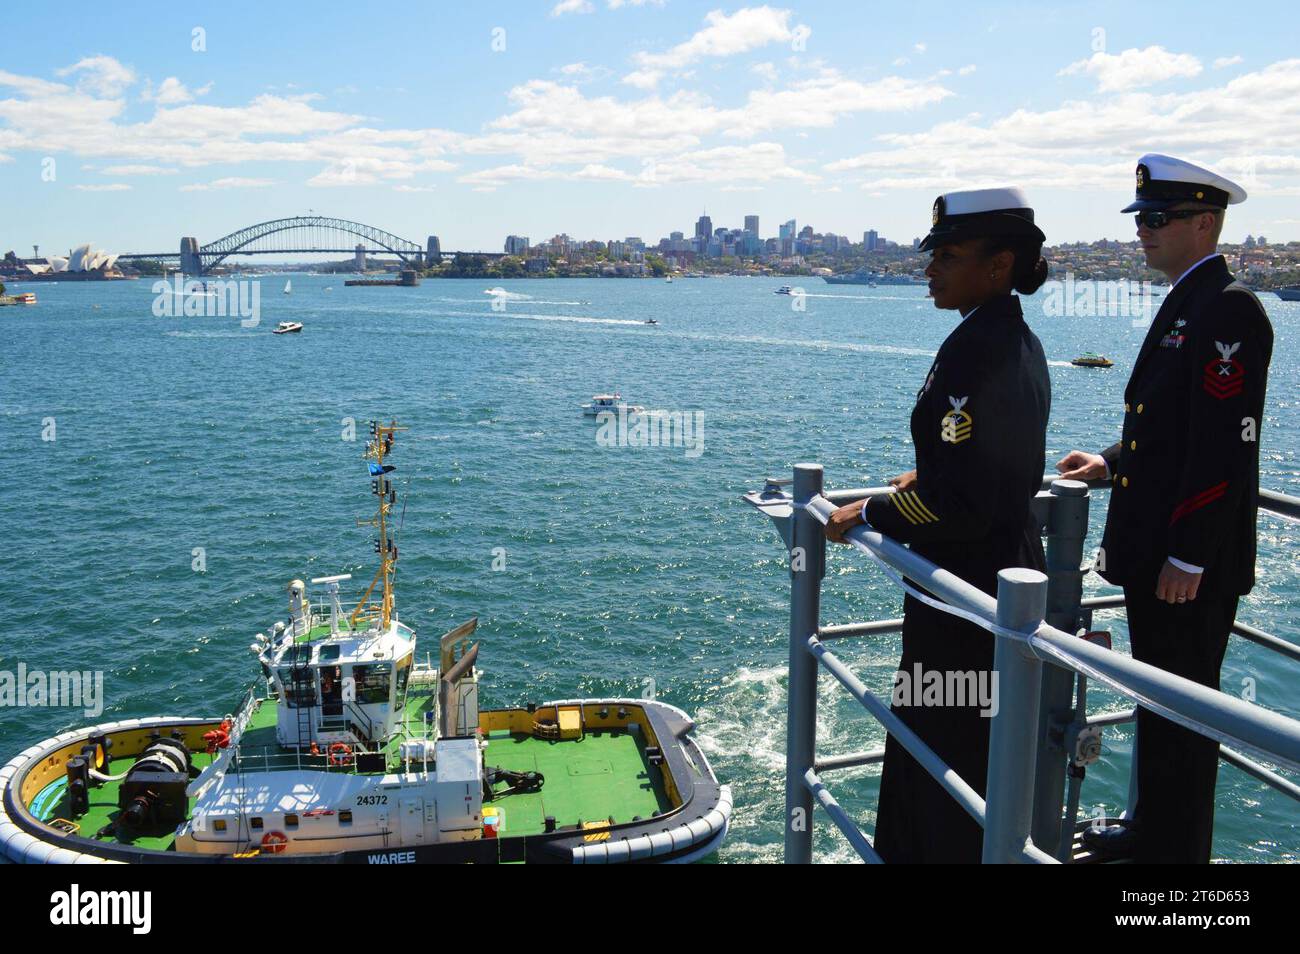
column 1224, row 376
column 956, row 424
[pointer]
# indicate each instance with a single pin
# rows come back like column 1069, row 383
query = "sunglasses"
column 1158, row 220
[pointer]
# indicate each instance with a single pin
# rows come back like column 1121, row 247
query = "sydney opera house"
column 84, row 263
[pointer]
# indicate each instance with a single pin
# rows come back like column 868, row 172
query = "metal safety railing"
column 1040, row 724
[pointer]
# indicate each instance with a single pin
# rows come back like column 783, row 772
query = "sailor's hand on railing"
column 1080, row 465
column 904, row 482
column 842, row 521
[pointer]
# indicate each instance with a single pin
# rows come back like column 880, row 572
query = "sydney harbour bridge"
column 303, row 234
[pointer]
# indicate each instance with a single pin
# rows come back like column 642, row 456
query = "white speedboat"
column 610, row 404
column 287, row 328
column 785, row 290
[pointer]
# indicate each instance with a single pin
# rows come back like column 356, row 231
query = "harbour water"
column 197, row 465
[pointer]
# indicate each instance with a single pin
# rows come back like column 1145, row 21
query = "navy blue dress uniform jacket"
column 979, row 428
column 1186, row 473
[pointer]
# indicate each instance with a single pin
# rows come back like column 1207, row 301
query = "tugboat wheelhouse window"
column 373, row 682
column 403, row 674
column 299, row 687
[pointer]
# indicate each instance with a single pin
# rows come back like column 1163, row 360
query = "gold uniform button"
column 1132, row 445
column 1123, row 482
column 1140, row 408
column 1126, row 408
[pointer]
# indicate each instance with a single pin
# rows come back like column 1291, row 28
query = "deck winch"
column 153, row 793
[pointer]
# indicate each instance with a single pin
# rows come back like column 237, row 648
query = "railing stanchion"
column 1067, row 527
column 1013, row 736
column 807, row 562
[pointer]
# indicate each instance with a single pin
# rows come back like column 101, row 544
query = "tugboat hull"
column 657, row 759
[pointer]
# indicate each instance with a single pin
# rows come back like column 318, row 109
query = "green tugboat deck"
column 602, row 775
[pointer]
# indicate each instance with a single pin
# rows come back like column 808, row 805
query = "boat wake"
column 579, row 319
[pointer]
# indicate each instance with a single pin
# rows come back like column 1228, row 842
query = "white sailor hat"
column 981, row 213
column 1163, row 181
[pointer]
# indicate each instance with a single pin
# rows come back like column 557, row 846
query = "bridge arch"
column 313, row 227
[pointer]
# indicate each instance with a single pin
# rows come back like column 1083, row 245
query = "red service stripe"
column 1223, row 392
column 1197, row 502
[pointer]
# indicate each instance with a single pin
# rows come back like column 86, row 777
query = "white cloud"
column 107, row 187
column 723, row 35
column 644, row 79
column 585, row 6
column 542, row 105
column 138, row 170
column 368, row 170
column 919, row 47
column 1225, row 61
column 172, row 91
column 1134, row 69
column 966, row 70
column 100, row 75
column 230, row 182
column 1093, row 144
column 30, row 85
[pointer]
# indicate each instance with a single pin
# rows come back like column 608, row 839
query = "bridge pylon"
column 191, row 263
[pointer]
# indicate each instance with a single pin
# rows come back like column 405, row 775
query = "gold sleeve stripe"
column 910, row 506
column 925, row 509
column 896, row 499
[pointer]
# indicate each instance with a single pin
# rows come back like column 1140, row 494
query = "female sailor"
column 979, row 429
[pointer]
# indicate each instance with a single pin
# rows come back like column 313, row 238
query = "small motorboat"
column 287, row 328
column 610, row 404
column 651, row 321
column 785, row 290
column 1091, row 360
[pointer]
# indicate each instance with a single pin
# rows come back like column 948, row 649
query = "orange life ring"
column 340, row 754
column 274, row 842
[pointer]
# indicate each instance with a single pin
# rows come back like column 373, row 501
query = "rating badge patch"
column 956, row 424
column 1225, row 376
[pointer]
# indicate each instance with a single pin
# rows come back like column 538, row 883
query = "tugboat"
column 347, row 748
column 287, row 328
column 1090, row 360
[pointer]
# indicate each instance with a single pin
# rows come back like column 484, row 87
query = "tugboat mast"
column 378, row 447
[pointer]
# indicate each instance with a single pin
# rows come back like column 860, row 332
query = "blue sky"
column 609, row 118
